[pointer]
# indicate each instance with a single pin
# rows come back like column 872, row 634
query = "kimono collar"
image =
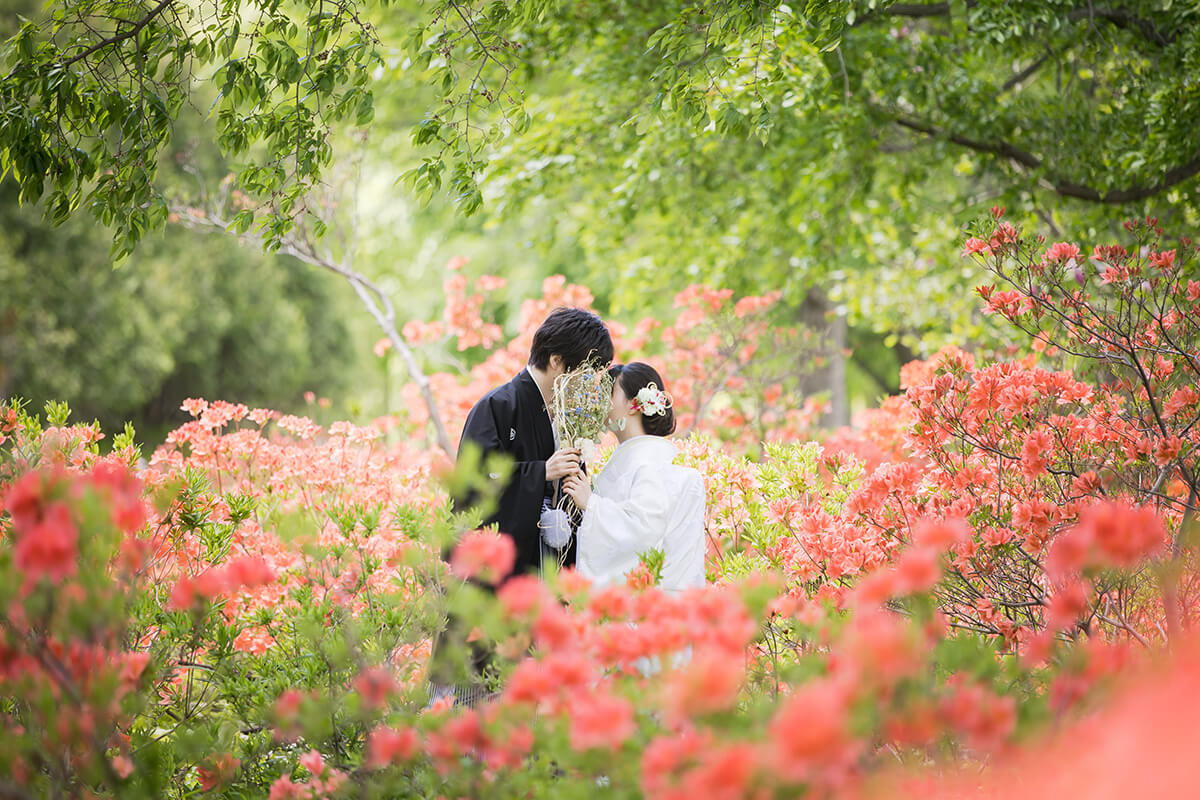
column 646, row 448
column 525, row 377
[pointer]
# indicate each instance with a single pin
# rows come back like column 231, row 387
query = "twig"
column 378, row 304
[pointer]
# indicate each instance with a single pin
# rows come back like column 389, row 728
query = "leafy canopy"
column 750, row 143
column 92, row 89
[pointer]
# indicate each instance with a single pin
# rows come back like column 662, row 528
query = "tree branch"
column 1116, row 16
column 1002, row 149
column 1124, row 19
column 921, row 9
column 374, row 298
column 913, row 10
column 117, row 38
column 1024, row 74
column 1066, row 188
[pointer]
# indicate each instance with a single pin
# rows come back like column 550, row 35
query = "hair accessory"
column 652, row 401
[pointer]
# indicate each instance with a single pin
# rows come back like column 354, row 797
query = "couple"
column 641, row 501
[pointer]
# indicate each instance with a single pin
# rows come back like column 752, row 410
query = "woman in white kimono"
column 641, row 501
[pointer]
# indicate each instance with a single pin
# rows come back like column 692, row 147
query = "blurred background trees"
column 188, row 315
column 831, row 151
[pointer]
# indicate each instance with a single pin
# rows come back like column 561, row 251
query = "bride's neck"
column 632, row 428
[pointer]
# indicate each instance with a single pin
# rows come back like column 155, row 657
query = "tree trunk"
column 817, row 313
column 839, row 406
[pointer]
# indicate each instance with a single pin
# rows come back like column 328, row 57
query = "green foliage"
column 817, row 145
column 652, row 562
column 830, row 145
column 188, row 315
column 92, row 88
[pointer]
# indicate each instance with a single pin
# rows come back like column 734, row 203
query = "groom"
column 514, row 420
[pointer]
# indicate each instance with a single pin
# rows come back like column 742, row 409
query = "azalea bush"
column 249, row 610
column 162, row 630
column 732, row 372
column 263, row 636
column 1035, row 470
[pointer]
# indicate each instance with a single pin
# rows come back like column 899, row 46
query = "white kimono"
column 642, row 502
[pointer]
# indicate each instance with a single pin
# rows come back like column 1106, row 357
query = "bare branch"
column 374, row 298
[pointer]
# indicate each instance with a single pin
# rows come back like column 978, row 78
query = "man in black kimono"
column 513, row 420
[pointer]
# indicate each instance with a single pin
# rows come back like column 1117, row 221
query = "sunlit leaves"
column 89, row 120
column 758, row 143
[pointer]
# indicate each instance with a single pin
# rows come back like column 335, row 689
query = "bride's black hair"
column 632, row 379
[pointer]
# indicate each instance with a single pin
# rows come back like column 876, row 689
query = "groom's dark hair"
column 573, row 334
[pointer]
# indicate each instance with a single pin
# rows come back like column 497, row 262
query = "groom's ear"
column 556, row 363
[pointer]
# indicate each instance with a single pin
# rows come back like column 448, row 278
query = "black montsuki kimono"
column 513, row 420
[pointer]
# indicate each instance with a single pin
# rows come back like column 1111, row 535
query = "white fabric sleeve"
column 683, row 565
column 614, row 531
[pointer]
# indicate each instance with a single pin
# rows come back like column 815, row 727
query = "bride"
column 641, row 501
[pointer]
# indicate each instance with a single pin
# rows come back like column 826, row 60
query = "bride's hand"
column 578, row 488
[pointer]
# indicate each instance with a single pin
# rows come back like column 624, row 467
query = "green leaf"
column 366, row 110
column 242, row 221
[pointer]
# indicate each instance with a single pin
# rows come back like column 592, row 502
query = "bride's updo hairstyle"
column 637, row 376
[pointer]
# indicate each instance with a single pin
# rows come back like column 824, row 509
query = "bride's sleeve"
column 613, row 528
column 683, row 566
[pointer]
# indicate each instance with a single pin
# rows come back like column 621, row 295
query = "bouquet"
column 582, row 400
